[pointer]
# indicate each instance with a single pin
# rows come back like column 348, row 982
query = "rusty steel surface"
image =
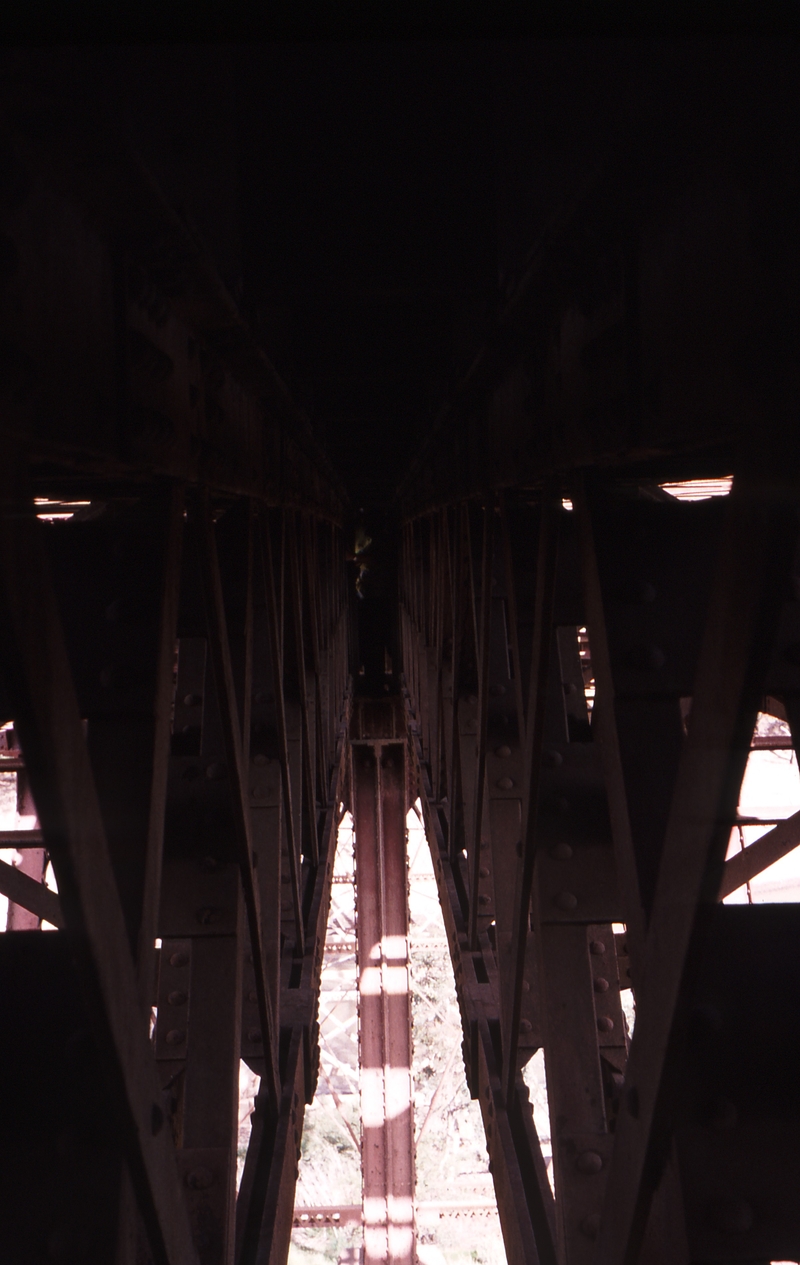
column 616, row 817
column 379, row 802
column 575, row 654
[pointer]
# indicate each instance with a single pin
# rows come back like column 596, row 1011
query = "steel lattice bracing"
column 175, row 665
column 178, row 657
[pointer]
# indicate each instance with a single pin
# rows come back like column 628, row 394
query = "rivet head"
column 260, row 760
column 566, row 901
column 177, row 998
column 192, row 700
column 721, row 1114
column 200, row 1178
column 646, row 591
column 526, row 988
column 705, row 1021
column 590, row 1162
column 497, row 690
column 503, row 752
column 483, row 899
column 605, row 1024
column 209, row 915
column 179, row 959
column 600, row 984
column 175, row 1036
column 597, row 948
column 791, row 653
column 731, row 1216
column 215, row 772
column 524, row 1025
column 505, row 783
column 570, row 688
column 647, row 658
column 483, row 872
column 553, row 759
column 590, row 1226
column 252, row 997
column 562, row 852
column 254, row 1034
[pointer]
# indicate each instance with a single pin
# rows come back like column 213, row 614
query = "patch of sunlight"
column 457, row 1218
column 770, row 792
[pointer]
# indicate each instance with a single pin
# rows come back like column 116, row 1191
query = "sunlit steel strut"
column 379, row 810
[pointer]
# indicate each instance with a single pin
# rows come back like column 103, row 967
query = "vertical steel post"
column 379, row 808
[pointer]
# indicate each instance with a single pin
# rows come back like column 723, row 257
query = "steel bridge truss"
column 172, row 679
column 578, row 853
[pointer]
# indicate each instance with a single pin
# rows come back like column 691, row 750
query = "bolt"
column 597, row 947
column 566, row 901
column 503, row 752
column 600, row 984
column 731, row 1216
column 524, row 1025
column 590, row 1162
column 177, row 998
column 721, row 1114
column 605, row 1024
column 192, row 700
column 9, row 260
column 156, row 1119
column 647, row 657
column 705, row 1021
column 505, row 783
column 590, row 1226
column 208, row 916
column 646, row 592
column 179, row 959
column 175, row 1036
column 59, row 1244
column 562, row 852
column 553, row 759
column 200, row 1178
